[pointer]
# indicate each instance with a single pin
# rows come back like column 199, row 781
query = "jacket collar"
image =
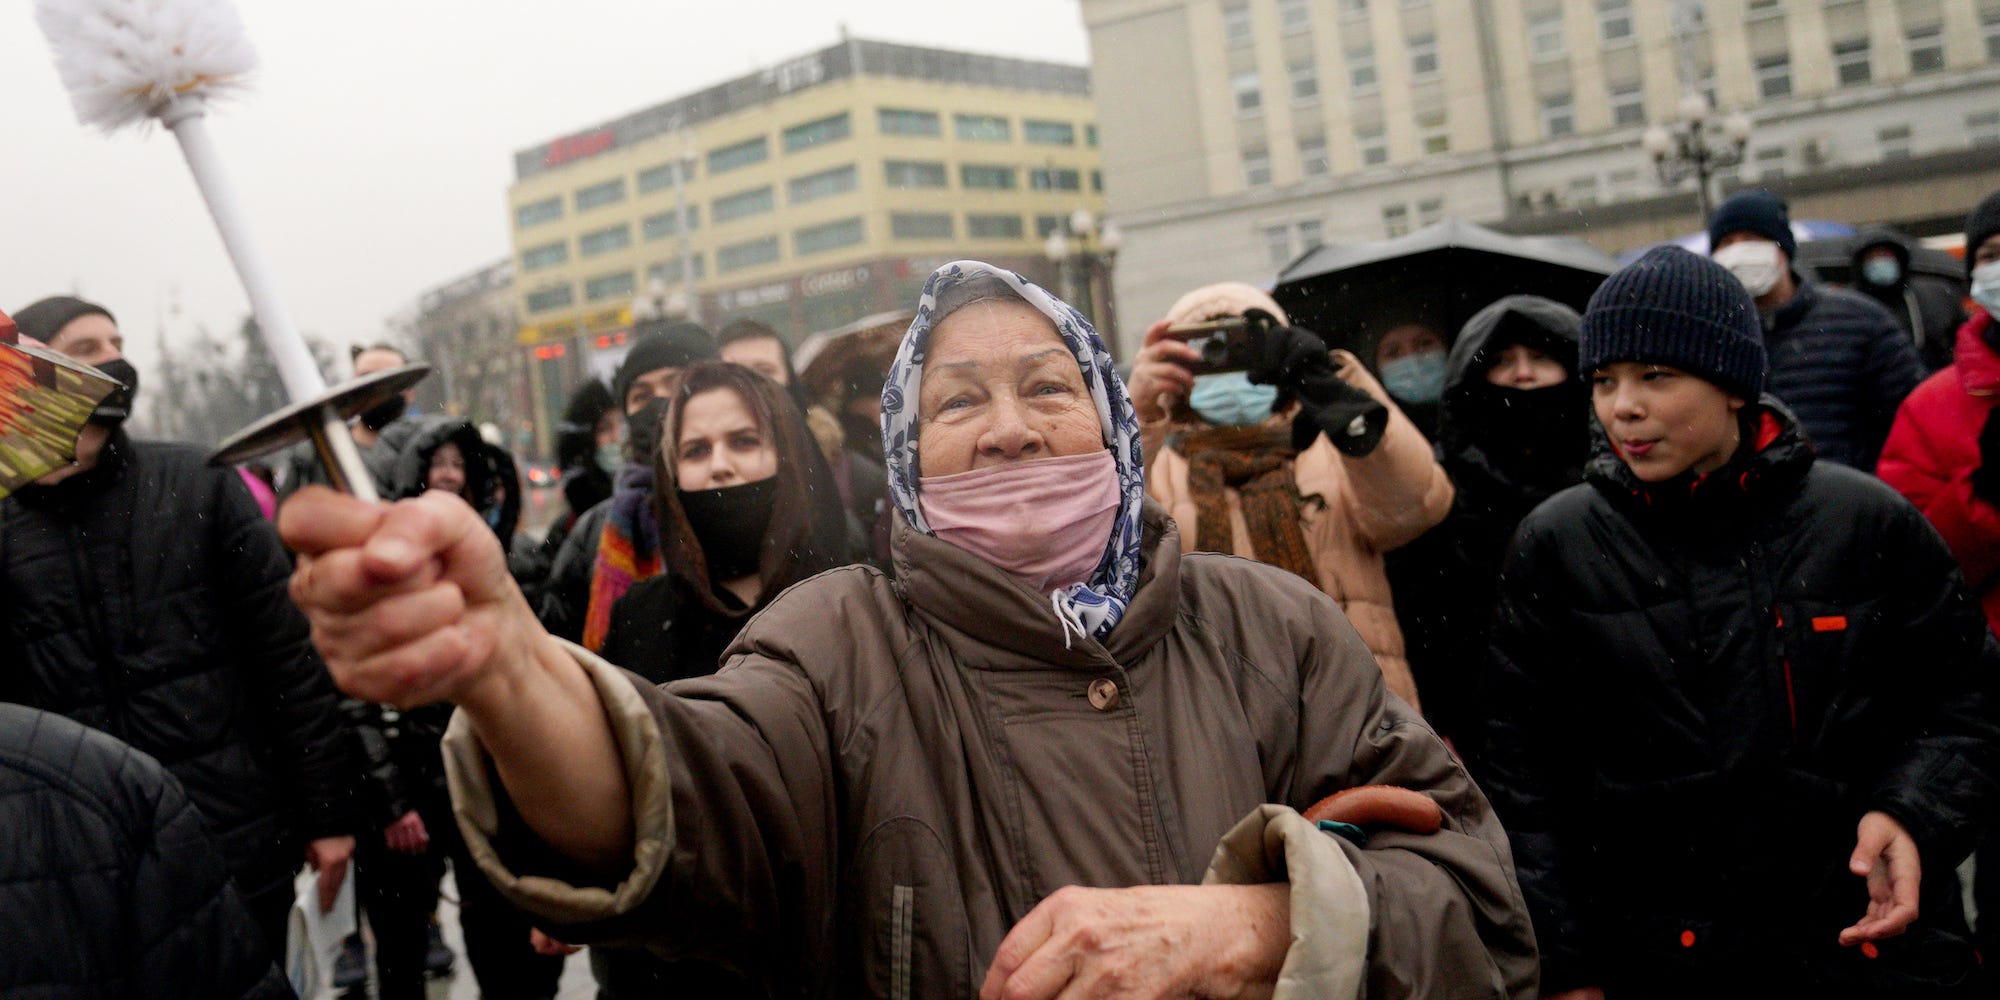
column 1978, row 363
column 992, row 621
column 1770, row 464
column 1788, row 315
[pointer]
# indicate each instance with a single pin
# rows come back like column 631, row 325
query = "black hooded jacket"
column 148, row 598
column 110, row 888
column 1698, row 689
column 1506, row 450
column 1841, row 363
column 1927, row 306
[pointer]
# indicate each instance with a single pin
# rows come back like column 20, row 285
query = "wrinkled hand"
column 1886, row 855
column 407, row 834
column 546, row 945
column 1144, row 942
column 329, row 856
column 1160, row 377
column 410, row 603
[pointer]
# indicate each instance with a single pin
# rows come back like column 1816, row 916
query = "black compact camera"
column 1230, row 344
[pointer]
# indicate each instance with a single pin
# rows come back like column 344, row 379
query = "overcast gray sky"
column 375, row 146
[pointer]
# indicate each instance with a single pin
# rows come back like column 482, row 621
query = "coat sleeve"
column 1398, row 491
column 270, row 642
column 1912, row 462
column 1528, row 767
column 1446, row 918
column 734, row 813
column 1893, row 371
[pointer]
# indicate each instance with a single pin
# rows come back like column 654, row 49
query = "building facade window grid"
column 1312, row 235
column 808, row 135
column 1614, row 21
column 1894, row 141
column 1982, row 128
column 553, row 297
column 1774, row 76
column 608, row 286
column 1558, row 116
column 1236, row 25
column 755, row 201
column 655, row 178
column 748, row 253
column 910, row 175
column 1046, row 224
column 981, row 177
column 1278, row 244
column 1313, row 161
column 1990, row 24
column 982, row 128
column 605, row 240
column 1353, row 10
column 1044, row 133
column 1294, row 17
column 828, row 236
column 1628, row 105
column 669, row 271
column 1433, row 133
column 824, row 184
column 1305, row 81
column 1249, row 97
column 1926, row 49
column 1373, row 146
column 1430, row 211
column 1361, row 78
column 904, row 121
column 1850, row 62
column 922, row 226
column 546, row 255
column 537, row 212
column 1395, row 220
column 661, row 225
column 1055, row 179
column 1256, row 166
column 992, row 227
column 1424, row 57
column 1545, row 34
column 739, row 155
column 599, row 195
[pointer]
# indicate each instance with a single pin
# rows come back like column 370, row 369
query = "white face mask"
column 1986, row 286
column 1753, row 262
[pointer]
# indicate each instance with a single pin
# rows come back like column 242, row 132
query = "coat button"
column 1104, row 694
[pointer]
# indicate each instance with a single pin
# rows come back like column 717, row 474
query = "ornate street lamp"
column 1084, row 257
column 1697, row 145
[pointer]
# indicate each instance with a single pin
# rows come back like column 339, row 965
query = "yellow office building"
column 815, row 193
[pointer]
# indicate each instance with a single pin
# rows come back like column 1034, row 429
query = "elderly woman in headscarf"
column 1312, row 469
column 1003, row 773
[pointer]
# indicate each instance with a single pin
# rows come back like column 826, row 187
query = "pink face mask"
column 1046, row 521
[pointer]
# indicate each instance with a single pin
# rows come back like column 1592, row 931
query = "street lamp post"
column 1697, row 146
column 1084, row 256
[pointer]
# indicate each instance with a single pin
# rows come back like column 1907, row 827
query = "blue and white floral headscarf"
column 1094, row 606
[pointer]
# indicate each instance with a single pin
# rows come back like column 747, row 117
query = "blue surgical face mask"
column 1415, row 378
column 1230, row 399
column 1881, row 271
column 1986, row 287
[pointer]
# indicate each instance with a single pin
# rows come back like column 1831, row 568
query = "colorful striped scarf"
column 628, row 551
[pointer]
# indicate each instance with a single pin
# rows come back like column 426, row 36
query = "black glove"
column 1298, row 361
column 1986, row 478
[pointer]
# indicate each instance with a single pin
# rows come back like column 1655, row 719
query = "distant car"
column 542, row 474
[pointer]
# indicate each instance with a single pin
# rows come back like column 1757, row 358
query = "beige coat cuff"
column 476, row 799
column 1330, row 915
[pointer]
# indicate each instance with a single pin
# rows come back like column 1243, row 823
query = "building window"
column 1313, row 160
column 1054, row 179
column 1982, row 128
column 1097, row 181
column 1046, row 224
column 1294, row 17
column 1312, row 235
column 1090, row 136
column 1433, row 132
column 1257, row 166
column 1361, row 70
column 993, row 227
column 1430, row 211
column 1582, row 192
column 1248, row 98
column 1926, row 49
column 1628, row 104
column 1614, row 21
column 546, row 255
column 825, row 184
column 535, row 213
column 1236, row 24
column 755, row 201
column 749, row 253
column 975, row 177
column 982, row 128
column 1424, row 57
column 1850, row 62
column 655, row 178
column 1048, row 133
column 921, row 226
column 1758, row 10
column 740, row 155
column 816, row 133
column 1770, row 162
column 1396, row 220
column 1373, row 144
column 554, row 297
column 1351, row 10
column 669, row 270
column 1558, row 116
column 1895, row 141
column 1545, row 34
column 1623, row 184
column 902, row 121
column 1278, row 244
column 665, row 224
column 604, row 240
column 599, row 195
column 913, row 174
column 827, row 236
column 1990, row 24
column 1774, row 76
column 1305, row 80
column 609, row 286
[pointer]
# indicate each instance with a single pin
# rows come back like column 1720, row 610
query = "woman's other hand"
column 1160, row 378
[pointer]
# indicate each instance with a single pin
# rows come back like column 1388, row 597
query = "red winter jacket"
column 1934, row 448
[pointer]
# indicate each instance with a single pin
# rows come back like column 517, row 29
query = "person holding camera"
column 1298, row 459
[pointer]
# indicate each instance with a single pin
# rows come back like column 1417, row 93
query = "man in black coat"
column 143, row 593
column 109, row 886
column 1838, row 359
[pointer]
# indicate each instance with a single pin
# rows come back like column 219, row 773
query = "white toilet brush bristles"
column 123, row 60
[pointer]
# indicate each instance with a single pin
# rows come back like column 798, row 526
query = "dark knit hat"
column 1672, row 307
column 44, row 319
column 1980, row 226
column 661, row 343
column 1759, row 212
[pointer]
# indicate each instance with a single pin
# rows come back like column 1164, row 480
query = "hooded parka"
column 1927, row 309
column 1699, row 688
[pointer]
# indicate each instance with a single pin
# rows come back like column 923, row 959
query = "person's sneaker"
column 438, row 959
column 350, row 967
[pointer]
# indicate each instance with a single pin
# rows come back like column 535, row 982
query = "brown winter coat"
column 1373, row 504
column 884, row 777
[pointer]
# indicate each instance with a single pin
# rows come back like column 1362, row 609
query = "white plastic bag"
column 312, row 938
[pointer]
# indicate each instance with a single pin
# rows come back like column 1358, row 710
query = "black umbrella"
column 1438, row 276
column 1832, row 260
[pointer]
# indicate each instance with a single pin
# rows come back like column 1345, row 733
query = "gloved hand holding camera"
column 1298, row 360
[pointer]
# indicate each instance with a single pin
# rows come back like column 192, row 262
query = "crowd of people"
column 1641, row 651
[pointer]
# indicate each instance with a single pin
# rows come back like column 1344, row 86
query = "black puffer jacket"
column 1840, row 361
column 109, row 886
column 1698, row 692
column 147, row 598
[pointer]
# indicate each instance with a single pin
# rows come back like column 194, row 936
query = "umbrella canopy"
column 1437, row 276
column 45, row 399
